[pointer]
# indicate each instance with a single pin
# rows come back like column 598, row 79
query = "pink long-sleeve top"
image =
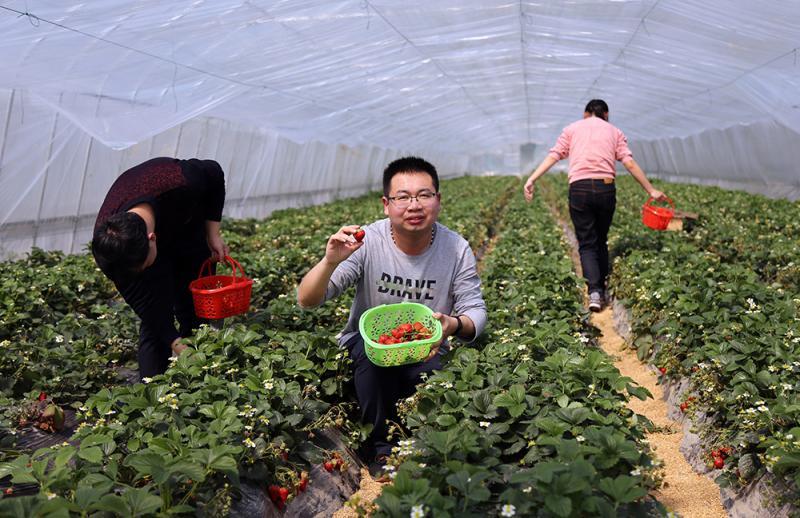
column 593, row 147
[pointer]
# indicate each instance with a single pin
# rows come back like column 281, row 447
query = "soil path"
column 370, row 490
column 685, row 492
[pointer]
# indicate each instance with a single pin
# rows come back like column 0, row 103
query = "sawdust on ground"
column 685, row 492
column 370, row 490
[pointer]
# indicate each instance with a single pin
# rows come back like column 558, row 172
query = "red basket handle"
column 230, row 260
column 649, row 203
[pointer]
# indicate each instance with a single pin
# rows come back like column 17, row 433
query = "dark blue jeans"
column 378, row 390
column 591, row 207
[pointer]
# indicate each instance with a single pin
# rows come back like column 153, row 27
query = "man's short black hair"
column 598, row 108
column 120, row 245
column 409, row 164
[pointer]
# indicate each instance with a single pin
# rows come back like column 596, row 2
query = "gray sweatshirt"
column 444, row 277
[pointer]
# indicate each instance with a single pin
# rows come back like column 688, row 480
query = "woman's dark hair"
column 598, row 108
column 409, row 164
column 120, row 245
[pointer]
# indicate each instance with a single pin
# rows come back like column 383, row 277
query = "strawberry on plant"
column 328, row 465
column 662, row 370
column 274, row 493
column 719, row 463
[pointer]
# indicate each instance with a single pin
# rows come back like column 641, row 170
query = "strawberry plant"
column 528, row 418
column 719, row 306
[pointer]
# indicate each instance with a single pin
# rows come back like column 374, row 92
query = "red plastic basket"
column 221, row 296
column 657, row 218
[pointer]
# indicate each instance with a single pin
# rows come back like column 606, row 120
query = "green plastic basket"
column 381, row 319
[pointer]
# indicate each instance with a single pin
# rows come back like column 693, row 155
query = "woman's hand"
column 215, row 243
column 217, row 246
column 178, row 347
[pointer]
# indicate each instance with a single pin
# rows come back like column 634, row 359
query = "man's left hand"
column 449, row 325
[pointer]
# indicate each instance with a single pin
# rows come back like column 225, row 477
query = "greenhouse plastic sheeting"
column 64, row 177
column 309, row 99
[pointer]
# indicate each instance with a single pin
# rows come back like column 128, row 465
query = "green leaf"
column 446, row 420
column 623, row 489
column 86, row 495
column 91, row 454
column 638, row 392
column 558, row 505
column 149, row 463
column 63, row 456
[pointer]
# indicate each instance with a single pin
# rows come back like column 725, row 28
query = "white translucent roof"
column 305, row 101
column 461, row 76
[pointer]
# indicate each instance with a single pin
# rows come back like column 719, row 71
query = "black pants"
column 591, row 207
column 378, row 390
column 171, row 277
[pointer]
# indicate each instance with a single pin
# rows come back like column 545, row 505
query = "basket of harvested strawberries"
column 397, row 334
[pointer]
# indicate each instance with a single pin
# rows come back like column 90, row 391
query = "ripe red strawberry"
column 662, row 370
column 359, row 235
column 302, row 484
column 328, row 465
column 274, row 493
column 284, row 493
column 683, row 407
column 719, row 463
column 42, row 396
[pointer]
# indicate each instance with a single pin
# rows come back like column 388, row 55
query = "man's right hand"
column 178, row 347
column 342, row 244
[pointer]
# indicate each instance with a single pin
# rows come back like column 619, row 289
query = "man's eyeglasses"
column 403, row 201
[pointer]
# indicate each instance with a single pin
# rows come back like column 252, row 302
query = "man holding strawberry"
column 407, row 257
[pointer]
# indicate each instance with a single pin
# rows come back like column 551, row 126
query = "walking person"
column 407, row 257
column 593, row 146
column 180, row 203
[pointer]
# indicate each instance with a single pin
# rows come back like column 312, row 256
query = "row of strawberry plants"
column 534, row 417
column 244, row 404
column 760, row 233
column 65, row 332
column 714, row 320
column 732, row 330
column 62, row 332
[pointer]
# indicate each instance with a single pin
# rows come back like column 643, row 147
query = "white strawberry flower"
column 508, row 510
